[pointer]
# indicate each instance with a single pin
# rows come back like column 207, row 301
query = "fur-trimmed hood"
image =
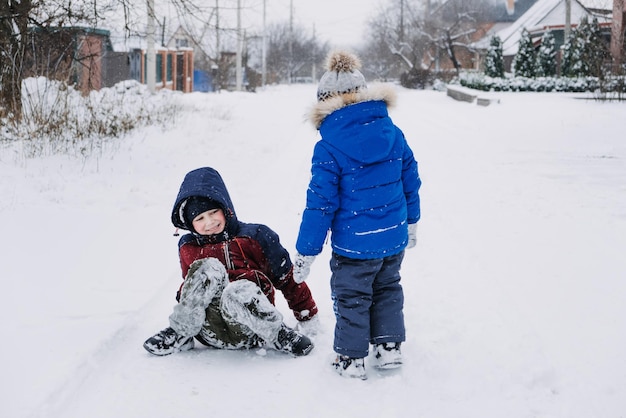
column 375, row 92
column 364, row 182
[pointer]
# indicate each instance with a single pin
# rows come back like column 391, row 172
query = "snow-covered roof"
column 598, row 4
column 542, row 14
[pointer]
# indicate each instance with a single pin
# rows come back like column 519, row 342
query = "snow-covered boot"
column 293, row 342
column 167, row 342
column 387, row 355
column 350, row 367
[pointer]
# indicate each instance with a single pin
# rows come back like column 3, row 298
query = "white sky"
column 343, row 22
column 340, row 22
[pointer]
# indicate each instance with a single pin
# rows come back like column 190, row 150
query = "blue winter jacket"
column 365, row 182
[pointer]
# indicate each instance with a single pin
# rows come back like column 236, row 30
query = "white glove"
column 412, row 235
column 302, row 267
column 309, row 328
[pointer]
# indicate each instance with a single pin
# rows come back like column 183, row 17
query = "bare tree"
column 20, row 22
column 24, row 23
column 14, row 19
column 395, row 41
column 455, row 26
column 292, row 53
column 424, row 37
column 379, row 60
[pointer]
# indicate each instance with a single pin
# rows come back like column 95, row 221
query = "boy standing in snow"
column 364, row 189
column 231, row 270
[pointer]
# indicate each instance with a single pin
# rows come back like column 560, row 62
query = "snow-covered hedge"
column 480, row 81
column 56, row 119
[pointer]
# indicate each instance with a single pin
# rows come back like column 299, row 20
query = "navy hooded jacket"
column 248, row 251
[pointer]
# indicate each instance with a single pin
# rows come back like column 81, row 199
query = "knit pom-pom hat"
column 342, row 76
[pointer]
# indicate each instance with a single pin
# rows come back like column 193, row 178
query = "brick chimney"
column 510, row 6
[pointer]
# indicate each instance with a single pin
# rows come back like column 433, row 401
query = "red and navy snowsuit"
column 248, row 251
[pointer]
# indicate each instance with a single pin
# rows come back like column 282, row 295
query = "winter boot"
column 387, row 355
column 350, row 367
column 293, row 342
column 167, row 342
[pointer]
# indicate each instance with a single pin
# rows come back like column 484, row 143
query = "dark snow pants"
column 368, row 301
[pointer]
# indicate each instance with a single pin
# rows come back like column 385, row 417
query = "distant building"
column 492, row 17
column 205, row 68
column 84, row 57
column 174, row 68
column 543, row 16
column 81, row 56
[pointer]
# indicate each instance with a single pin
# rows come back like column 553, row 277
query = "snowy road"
column 515, row 294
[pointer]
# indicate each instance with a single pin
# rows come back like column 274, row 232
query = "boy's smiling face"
column 211, row 222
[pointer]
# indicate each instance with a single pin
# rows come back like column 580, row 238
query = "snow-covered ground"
column 515, row 293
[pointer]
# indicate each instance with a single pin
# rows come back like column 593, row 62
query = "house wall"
column 175, row 71
column 73, row 55
column 49, row 54
column 88, row 63
column 83, row 57
column 545, row 15
column 115, row 68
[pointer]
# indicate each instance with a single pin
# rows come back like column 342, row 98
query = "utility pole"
column 401, row 21
column 217, row 30
column 264, row 48
column 150, row 55
column 238, row 69
column 568, row 20
column 163, row 32
column 290, row 63
column 313, row 58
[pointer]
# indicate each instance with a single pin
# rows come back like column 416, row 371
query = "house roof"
column 496, row 12
column 76, row 30
column 542, row 14
column 597, row 4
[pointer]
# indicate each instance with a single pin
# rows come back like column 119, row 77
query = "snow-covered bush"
column 585, row 51
column 596, row 49
column 416, row 78
column 59, row 120
column 494, row 61
column 545, row 63
column 583, row 66
column 482, row 82
column 524, row 60
column 572, row 64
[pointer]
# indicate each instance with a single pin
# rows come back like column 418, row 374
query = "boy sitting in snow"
column 231, row 270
